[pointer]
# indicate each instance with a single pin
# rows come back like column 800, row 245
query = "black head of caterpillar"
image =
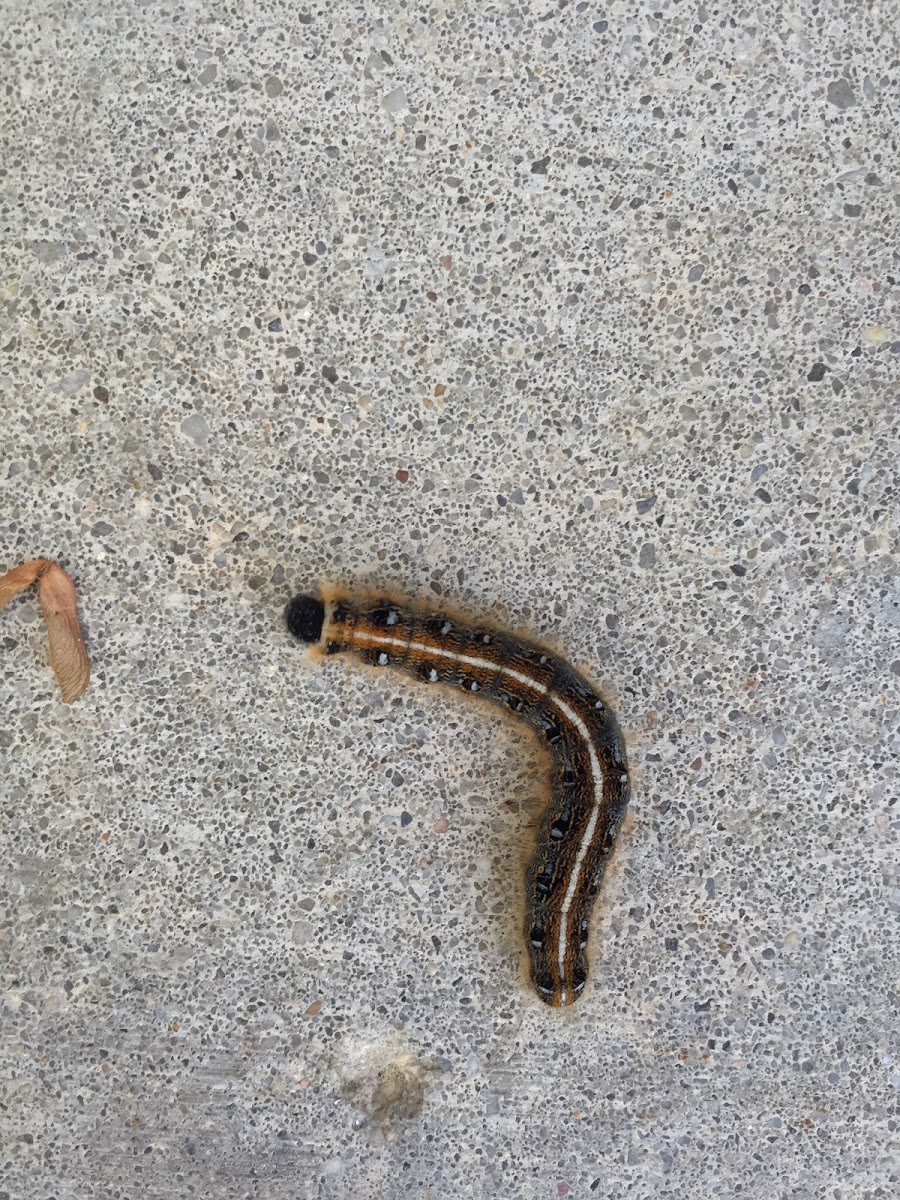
column 588, row 790
column 305, row 616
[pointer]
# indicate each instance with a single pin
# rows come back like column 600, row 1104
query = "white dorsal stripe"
column 571, row 716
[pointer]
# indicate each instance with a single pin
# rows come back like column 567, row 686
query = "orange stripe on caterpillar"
column 589, row 788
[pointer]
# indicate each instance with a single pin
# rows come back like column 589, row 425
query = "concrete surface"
column 579, row 315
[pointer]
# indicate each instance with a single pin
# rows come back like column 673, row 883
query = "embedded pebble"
column 840, row 94
column 196, row 428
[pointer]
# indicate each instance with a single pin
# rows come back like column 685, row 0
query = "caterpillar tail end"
column 305, row 616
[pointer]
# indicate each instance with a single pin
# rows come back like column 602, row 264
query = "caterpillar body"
column 589, row 786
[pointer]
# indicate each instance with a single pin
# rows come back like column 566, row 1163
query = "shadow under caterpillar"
column 589, row 787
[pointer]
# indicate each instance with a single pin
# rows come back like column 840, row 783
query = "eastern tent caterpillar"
column 589, row 780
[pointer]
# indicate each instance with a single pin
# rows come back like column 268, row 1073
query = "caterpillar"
column 589, row 787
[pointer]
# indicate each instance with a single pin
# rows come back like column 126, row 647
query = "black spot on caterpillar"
column 589, row 786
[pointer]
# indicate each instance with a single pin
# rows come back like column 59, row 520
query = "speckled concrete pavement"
column 577, row 315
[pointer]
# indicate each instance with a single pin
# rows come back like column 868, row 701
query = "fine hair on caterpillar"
column 588, row 788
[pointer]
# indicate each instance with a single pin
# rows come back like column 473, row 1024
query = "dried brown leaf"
column 68, row 653
column 20, row 577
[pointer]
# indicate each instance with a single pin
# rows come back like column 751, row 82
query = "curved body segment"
column 589, row 787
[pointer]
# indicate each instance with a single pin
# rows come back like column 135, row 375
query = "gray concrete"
column 572, row 315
